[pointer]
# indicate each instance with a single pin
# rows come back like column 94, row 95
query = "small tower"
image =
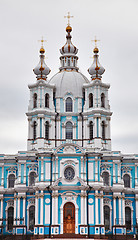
column 41, row 107
column 97, row 108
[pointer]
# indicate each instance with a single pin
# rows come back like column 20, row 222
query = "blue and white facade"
column 69, row 180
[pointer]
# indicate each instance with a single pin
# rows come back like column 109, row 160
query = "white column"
column 76, row 220
column 101, row 204
column 53, row 210
column 1, row 212
column 85, row 210
column 136, row 198
column 2, row 177
column 114, row 209
column 18, row 213
column 42, row 210
column 24, row 177
column 36, row 208
column 15, row 200
column 119, row 209
column 96, row 169
column 123, row 208
column 96, row 206
column 114, row 173
column 42, row 169
column 24, row 201
column 56, row 209
column 61, row 220
column 82, row 209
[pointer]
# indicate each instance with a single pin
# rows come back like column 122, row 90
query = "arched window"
column 107, row 217
column 34, row 130
column 128, row 218
column 90, row 100
column 126, row 179
column 47, row 100
column 102, row 100
column 10, row 218
column 69, row 130
column 103, row 130
column 31, row 217
column 68, row 104
column 105, row 177
column 91, row 130
column 32, row 177
column 83, row 92
column 11, row 180
column 47, row 130
column 35, row 100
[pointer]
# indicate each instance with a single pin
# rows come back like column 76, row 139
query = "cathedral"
column 69, row 182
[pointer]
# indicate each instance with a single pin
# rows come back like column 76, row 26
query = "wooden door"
column 69, row 218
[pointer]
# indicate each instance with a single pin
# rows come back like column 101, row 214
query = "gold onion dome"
column 68, row 48
column 96, row 70
column 41, row 70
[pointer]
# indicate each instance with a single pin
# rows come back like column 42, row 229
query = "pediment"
column 69, row 148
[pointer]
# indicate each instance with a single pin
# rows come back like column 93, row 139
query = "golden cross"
column 42, row 41
column 68, row 16
column 95, row 40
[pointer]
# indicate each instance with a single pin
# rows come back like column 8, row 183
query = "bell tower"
column 97, row 114
column 41, row 108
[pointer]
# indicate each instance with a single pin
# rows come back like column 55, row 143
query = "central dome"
column 69, row 82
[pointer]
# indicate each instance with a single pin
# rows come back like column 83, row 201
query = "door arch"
column 69, row 218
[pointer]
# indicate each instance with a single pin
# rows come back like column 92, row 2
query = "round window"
column 69, row 173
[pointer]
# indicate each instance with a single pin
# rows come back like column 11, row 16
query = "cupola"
column 68, row 59
column 42, row 70
column 96, row 70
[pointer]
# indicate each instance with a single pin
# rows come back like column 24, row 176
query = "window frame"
column 35, row 100
column 68, row 105
column 47, row 100
column 71, row 132
column 102, row 100
column 12, row 179
column 90, row 100
column 91, row 137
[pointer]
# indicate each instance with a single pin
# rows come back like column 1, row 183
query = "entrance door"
column 69, row 218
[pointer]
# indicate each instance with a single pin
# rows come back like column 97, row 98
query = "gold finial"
column 95, row 40
column 68, row 17
column 42, row 50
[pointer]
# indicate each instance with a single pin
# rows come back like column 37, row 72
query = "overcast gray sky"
column 23, row 22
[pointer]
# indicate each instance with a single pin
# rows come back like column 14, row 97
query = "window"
column 83, row 94
column 47, row 100
column 35, row 100
column 32, row 177
column 107, row 217
column 128, row 218
column 69, row 130
column 47, row 130
column 102, row 100
column 11, row 180
column 103, row 130
column 126, row 179
column 10, row 218
column 68, row 61
column 34, row 130
column 105, row 177
column 31, row 217
column 90, row 100
column 68, row 104
column 91, row 130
